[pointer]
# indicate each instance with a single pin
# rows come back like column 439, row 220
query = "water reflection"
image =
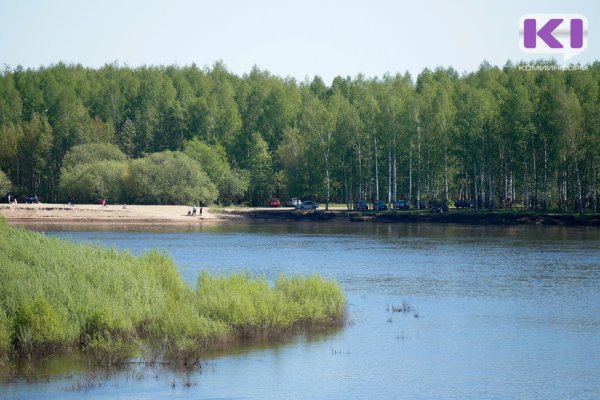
column 75, row 367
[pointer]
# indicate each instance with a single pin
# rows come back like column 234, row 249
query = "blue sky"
column 288, row 38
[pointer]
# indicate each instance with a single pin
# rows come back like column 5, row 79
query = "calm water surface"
column 498, row 313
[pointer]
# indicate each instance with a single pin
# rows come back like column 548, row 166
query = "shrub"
column 168, row 178
column 92, row 181
column 231, row 184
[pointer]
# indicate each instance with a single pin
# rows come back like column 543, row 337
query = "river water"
column 495, row 313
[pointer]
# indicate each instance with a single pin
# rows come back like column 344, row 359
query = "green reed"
column 113, row 305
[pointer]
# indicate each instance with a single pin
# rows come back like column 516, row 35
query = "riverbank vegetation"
column 56, row 295
column 522, row 135
column 5, row 185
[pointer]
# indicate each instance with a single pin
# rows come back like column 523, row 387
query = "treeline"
column 525, row 135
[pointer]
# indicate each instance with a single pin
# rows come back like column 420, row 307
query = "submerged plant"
column 110, row 351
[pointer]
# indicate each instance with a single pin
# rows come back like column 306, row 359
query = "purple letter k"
column 545, row 33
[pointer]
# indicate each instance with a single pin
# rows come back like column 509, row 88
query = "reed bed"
column 113, row 305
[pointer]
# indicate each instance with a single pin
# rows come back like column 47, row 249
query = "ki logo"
column 564, row 34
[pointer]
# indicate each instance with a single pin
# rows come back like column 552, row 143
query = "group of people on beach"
column 192, row 212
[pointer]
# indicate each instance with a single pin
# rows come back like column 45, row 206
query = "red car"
column 274, row 203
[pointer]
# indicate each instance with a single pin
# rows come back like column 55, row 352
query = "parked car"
column 293, row 202
column 423, row 205
column 436, row 206
column 401, row 205
column 379, row 205
column 308, row 205
column 361, row 205
column 462, row 204
column 32, row 199
column 274, row 202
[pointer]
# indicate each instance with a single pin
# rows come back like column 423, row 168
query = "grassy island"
column 56, row 295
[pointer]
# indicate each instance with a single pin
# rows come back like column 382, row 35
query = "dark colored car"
column 401, row 205
column 436, row 206
column 361, row 205
column 462, row 204
column 32, row 199
column 379, row 205
column 274, row 202
column 423, row 205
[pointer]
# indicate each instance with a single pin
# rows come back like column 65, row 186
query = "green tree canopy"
column 261, row 170
column 91, row 152
column 5, row 185
column 231, row 184
column 88, row 182
column 168, row 178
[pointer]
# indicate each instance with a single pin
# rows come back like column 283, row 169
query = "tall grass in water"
column 252, row 308
column 55, row 294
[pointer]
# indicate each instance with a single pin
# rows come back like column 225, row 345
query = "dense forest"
column 524, row 135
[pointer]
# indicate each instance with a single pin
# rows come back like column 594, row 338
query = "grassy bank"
column 113, row 305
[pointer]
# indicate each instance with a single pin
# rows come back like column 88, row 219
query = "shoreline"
column 470, row 217
column 177, row 215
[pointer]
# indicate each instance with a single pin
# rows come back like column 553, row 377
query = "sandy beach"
column 115, row 213
column 98, row 213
